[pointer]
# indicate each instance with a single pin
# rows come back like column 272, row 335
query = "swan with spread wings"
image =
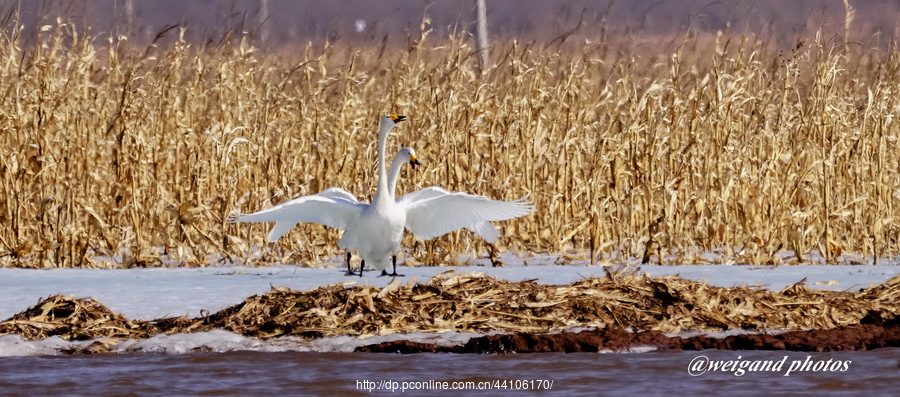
column 375, row 229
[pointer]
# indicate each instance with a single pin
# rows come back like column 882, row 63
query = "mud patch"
column 853, row 337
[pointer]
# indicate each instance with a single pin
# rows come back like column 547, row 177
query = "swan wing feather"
column 486, row 230
column 333, row 207
column 433, row 212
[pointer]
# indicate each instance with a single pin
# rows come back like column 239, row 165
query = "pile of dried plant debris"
column 477, row 303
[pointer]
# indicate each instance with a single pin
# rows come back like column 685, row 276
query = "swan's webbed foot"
column 394, row 274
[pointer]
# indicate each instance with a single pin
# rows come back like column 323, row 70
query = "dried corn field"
column 115, row 154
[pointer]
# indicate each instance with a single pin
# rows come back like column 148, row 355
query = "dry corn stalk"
column 726, row 144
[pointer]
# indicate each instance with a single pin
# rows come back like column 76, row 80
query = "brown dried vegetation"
column 476, row 303
column 727, row 143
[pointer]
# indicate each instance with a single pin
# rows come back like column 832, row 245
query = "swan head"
column 409, row 154
column 390, row 120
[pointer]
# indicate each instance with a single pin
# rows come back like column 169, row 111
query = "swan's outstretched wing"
column 433, row 212
column 485, row 229
column 337, row 192
column 332, row 207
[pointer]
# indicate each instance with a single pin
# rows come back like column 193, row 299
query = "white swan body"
column 376, row 229
column 372, row 229
column 333, row 207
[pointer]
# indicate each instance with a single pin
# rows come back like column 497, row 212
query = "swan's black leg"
column 349, row 272
column 394, row 274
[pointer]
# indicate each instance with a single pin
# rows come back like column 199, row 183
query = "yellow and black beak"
column 414, row 162
column 397, row 118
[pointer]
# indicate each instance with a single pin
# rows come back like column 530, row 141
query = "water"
column 294, row 373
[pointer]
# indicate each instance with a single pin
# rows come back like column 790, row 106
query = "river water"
column 868, row 373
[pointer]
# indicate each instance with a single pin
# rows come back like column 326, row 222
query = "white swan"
column 371, row 229
column 432, row 212
column 485, row 229
column 376, row 229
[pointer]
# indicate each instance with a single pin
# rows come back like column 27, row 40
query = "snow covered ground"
column 144, row 294
column 223, row 341
column 163, row 292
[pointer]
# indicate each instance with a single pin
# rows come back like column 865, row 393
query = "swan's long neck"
column 394, row 175
column 382, row 189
